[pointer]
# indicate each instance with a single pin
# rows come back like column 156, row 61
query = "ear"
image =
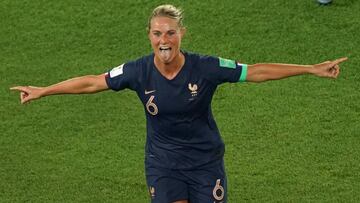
column 149, row 34
column 183, row 31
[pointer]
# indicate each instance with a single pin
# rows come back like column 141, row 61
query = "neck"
column 171, row 69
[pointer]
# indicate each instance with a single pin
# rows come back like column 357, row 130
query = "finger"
column 22, row 95
column 25, row 100
column 14, row 88
column 334, row 71
column 337, row 74
column 19, row 88
column 340, row 60
column 337, row 70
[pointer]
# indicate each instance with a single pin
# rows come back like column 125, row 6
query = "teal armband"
column 243, row 73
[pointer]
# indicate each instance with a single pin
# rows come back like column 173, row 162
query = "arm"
column 264, row 72
column 80, row 85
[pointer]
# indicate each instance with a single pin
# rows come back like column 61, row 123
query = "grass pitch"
column 295, row 140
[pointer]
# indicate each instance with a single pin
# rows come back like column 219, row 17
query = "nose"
column 163, row 39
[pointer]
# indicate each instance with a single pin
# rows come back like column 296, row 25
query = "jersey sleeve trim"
column 243, row 73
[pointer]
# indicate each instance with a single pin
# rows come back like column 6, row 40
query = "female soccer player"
column 184, row 151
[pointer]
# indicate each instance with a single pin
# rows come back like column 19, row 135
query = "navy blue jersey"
column 181, row 131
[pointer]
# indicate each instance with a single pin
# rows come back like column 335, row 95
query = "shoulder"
column 140, row 62
column 130, row 70
column 198, row 56
column 216, row 69
column 201, row 60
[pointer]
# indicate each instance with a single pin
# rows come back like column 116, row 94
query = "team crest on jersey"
column 193, row 89
column 116, row 71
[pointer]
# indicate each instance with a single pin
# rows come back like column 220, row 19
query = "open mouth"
column 165, row 53
column 165, row 49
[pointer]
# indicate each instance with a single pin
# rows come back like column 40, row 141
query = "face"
column 165, row 36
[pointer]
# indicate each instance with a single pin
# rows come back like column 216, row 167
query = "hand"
column 329, row 69
column 28, row 93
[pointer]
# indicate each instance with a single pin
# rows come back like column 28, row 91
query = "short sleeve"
column 123, row 76
column 219, row 70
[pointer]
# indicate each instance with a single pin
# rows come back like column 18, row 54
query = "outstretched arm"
column 80, row 85
column 272, row 71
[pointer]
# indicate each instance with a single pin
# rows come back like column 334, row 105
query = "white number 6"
column 151, row 107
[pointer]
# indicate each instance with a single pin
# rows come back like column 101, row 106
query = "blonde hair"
column 169, row 11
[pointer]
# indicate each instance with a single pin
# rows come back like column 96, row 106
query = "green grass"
column 295, row 140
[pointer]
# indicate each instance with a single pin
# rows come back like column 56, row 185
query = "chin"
column 171, row 59
column 166, row 62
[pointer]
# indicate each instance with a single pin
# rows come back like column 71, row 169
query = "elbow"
column 256, row 73
column 96, row 84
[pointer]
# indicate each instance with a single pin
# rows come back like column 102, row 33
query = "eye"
column 157, row 34
column 171, row 33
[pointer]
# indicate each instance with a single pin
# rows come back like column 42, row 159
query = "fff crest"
column 193, row 89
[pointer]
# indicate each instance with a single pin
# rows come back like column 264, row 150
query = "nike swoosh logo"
column 149, row 92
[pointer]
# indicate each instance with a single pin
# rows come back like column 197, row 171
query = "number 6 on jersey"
column 151, row 107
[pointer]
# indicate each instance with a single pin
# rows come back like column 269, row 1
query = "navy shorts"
column 204, row 185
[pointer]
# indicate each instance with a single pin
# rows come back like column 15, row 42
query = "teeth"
column 164, row 48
